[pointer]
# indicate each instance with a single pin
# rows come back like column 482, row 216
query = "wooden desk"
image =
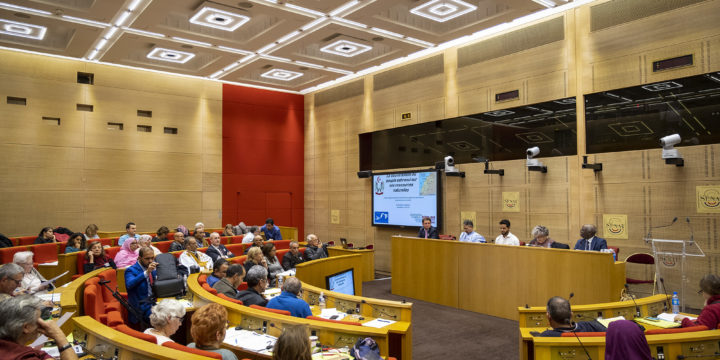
column 368, row 259
column 497, row 279
column 289, row 233
column 314, row 272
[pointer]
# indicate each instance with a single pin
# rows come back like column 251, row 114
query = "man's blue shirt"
column 290, row 302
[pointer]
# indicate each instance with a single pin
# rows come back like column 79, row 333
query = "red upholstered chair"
column 522, row 243
column 136, row 334
column 331, row 243
column 93, row 304
column 239, row 260
column 302, row 250
column 112, row 251
column 334, row 321
column 370, row 247
column 6, row 254
column 26, row 240
column 237, row 239
column 243, row 286
column 236, row 249
column 163, row 246
column 176, row 346
column 107, row 241
column 281, row 253
column 677, row 330
column 44, row 253
column 223, row 296
column 202, row 249
column 648, row 262
column 114, row 318
column 281, row 312
column 350, row 245
column 281, row 244
column 446, row 237
column 583, row 334
column 209, row 289
column 616, row 250
column 111, row 303
column 202, row 279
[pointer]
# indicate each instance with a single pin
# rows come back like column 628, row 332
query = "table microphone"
column 380, row 311
column 637, row 308
column 666, row 306
column 649, row 234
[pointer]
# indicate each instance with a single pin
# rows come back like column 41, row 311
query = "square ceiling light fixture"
column 346, row 48
column 218, row 19
column 174, row 56
column 30, row 31
column 280, row 74
column 443, row 10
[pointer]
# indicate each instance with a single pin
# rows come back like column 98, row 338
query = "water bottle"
column 675, row 303
column 321, row 300
column 280, row 281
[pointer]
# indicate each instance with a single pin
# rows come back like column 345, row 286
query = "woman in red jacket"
column 710, row 314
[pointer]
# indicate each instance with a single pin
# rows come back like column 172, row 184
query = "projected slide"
column 404, row 198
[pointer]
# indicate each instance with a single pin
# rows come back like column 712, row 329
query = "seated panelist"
column 506, row 237
column 427, row 231
column 560, row 316
column 542, row 238
column 589, row 241
column 469, row 235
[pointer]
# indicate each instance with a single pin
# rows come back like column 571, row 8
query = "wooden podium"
column 496, row 279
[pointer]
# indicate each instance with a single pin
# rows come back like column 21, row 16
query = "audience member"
column 75, row 243
column 95, row 258
column 292, row 257
column 293, row 344
column 626, row 341
column 200, row 238
column 255, row 257
column 209, row 324
column 228, row 285
column 138, row 280
column 589, row 241
column 228, row 231
column 165, row 318
column 178, row 243
column 240, row 229
column 273, row 264
column 315, row 249
column 127, row 255
column 506, row 237
column 46, row 236
column 427, row 231
column 22, row 324
column 219, row 271
column 5, row 241
column 469, row 235
column 146, row 241
column 257, row 242
column 252, row 233
column 32, row 281
column 256, row 279
column 162, row 234
column 288, row 299
column 271, row 231
column 216, row 250
column 91, row 232
column 11, row 276
column 542, row 238
column 710, row 314
column 194, row 260
column 559, row 316
column 181, row 228
column 130, row 229
column 200, row 229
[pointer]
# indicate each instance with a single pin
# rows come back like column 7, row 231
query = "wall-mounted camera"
column 534, row 164
column 450, row 169
column 669, row 152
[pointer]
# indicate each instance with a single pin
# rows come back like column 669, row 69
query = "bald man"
column 589, row 241
column 178, row 243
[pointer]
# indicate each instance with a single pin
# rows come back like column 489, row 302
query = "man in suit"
column 292, row 257
column 589, row 241
column 427, row 231
column 315, row 249
column 256, row 279
column 229, row 284
column 560, row 316
column 216, row 250
column 138, row 282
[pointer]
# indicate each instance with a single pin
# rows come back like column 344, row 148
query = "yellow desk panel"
column 368, row 259
column 314, row 272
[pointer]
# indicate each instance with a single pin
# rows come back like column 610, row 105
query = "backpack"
column 365, row 349
column 169, row 282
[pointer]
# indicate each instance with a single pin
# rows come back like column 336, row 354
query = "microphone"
column 571, row 296
column 581, row 344
column 692, row 234
column 649, row 234
column 380, row 311
column 637, row 308
column 666, row 306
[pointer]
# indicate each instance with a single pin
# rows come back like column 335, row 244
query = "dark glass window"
column 494, row 135
column 635, row 118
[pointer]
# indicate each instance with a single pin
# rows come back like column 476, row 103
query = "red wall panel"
column 263, row 157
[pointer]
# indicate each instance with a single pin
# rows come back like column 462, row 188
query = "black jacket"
column 251, row 297
column 432, row 233
column 580, row 326
column 289, row 260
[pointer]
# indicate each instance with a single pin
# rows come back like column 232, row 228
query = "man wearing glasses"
column 11, row 276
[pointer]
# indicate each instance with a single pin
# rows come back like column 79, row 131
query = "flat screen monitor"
column 342, row 282
column 404, row 198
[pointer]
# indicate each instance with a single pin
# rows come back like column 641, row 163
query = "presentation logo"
column 382, row 217
column 379, row 186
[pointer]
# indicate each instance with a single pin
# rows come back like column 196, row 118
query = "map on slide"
column 427, row 183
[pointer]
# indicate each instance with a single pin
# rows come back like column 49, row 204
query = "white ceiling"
column 287, row 45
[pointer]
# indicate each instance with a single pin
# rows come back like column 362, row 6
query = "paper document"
column 249, row 340
column 378, row 323
column 53, row 279
column 329, row 313
column 52, row 263
column 606, row 322
column 53, row 297
column 42, row 338
column 671, row 317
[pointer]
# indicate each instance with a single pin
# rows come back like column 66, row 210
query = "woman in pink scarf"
column 127, row 256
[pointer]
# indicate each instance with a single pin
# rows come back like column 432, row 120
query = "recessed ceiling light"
column 30, row 31
column 281, row 74
column 174, row 56
column 443, row 10
column 346, row 48
column 218, row 19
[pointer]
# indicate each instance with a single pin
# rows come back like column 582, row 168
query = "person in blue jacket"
column 271, row 231
column 138, row 280
column 288, row 299
column 589, row 241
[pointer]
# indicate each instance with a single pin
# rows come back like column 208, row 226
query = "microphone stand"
column 125, row 304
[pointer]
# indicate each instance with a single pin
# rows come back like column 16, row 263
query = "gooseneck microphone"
column 380, row 311
column 692, row 233
column 666, row 306
column 649, row 234
column 574, row 331
column 637, row 308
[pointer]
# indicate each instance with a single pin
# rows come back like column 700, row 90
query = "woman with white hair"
column 200, row 229
column 146, row 240
column 22, row 324
column 32, row 281
column 165, row 318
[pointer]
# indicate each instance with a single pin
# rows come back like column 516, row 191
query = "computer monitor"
column 342, row 282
